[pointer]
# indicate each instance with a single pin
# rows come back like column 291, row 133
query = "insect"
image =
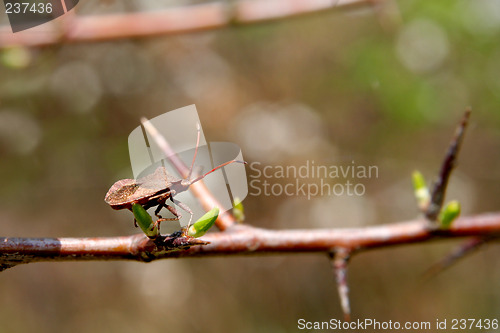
column 155, row 189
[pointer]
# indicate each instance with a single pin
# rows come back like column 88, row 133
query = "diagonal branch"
column 70, row 28
column 199, row 189
column 439, row 189
column 467, row 248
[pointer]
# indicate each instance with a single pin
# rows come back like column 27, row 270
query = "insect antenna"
column 195, row 151
column 217, row 167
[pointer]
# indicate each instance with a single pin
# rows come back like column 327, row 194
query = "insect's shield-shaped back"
column 179, row 128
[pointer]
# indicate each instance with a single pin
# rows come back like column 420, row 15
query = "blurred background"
column 380, row 86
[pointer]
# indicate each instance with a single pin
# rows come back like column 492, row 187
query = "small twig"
column 339, row 259
column 199, row 189
column 470, row 246
column 188, row 19
column 439, row 188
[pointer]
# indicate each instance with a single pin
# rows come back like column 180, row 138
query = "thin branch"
column 470, row 246
column 241, row 240
column 439, row 189
column 70, row 28
column 163, row 144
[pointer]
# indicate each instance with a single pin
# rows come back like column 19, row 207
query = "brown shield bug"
column 155, row 189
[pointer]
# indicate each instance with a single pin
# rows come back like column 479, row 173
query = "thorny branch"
column 236, row 239
column 339, row 259
column 437, row 199
column 71, row 28
column 468, row 247
column 240, row 240
column 439, row 189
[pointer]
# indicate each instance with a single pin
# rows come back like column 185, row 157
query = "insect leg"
column 157, row 210
column 198, row 128
column 185, row 208
column 171, row 209
column 161, row 203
